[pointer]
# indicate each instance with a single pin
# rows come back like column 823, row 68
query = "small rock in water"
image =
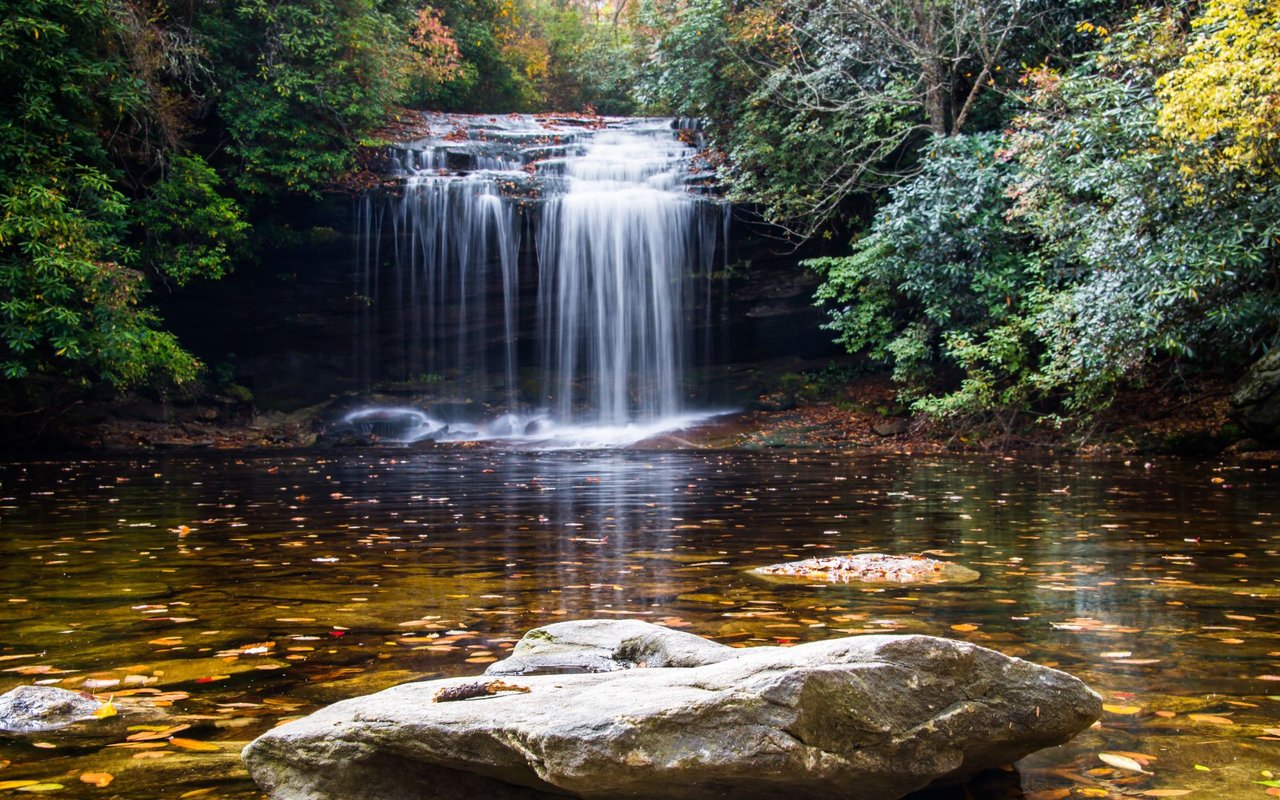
column 895, row 427
column 869, row 568
column 857, row 718
column 35, row 709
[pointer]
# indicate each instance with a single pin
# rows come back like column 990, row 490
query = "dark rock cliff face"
column 324, row 314
column 1256, row 402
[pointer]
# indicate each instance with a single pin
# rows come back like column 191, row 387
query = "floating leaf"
column 149, row 736
column 1211, row 719
column 964, row 627
column 1121, row 762
column 99, row 779
column 1123, row 710
column 195, row 745
column 41, row 787
column 16, row 784
column 1166, row 792
column 107, row 709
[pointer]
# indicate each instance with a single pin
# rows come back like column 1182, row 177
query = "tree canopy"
column 1027, row 206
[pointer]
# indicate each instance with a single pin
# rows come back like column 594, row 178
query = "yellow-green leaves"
column 1225, row 93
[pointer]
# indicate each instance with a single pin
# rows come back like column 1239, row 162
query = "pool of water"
column 230, row 593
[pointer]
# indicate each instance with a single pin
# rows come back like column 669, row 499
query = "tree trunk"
column 935, row 98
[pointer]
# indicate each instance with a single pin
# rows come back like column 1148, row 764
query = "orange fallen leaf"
column 1166, row 792
column 98, row 779
column 145, row 754
column 150, row 736
column 195, row 745
column 1142, row 758
column 964, row 627
column 1212, row 719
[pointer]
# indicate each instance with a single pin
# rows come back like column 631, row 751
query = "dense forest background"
column 1025, row 208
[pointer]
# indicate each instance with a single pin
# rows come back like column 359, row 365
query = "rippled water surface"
column 231, row 593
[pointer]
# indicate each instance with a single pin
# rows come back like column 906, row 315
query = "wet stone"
column 35, row 709
column 857, row 718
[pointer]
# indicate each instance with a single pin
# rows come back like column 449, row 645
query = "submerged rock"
column 869, row 568
column 895, row 427
column 859, row 718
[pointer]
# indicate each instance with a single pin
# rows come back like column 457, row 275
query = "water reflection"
column 357, row 571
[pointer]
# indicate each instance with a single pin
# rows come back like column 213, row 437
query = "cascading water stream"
column 590, row 331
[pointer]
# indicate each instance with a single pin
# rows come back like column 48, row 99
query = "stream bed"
column 235, row 592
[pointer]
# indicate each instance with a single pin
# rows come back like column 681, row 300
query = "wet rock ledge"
column 643, row 711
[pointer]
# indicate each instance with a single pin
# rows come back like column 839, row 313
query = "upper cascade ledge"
column 533, row 146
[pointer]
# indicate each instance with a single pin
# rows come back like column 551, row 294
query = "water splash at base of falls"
column 408, row 425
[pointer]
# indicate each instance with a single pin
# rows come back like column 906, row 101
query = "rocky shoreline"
column 861, row 421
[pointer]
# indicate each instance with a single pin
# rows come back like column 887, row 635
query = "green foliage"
column 1039, row 270
column 690, row 71
column 301, row 83
column 69, row 299
column 190, row 229
column 940, row 266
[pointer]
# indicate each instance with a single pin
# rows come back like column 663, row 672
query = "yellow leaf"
column 1124, row 710
column 16, row 784
column 107, row 709
column 195, row 745
column 41, row 787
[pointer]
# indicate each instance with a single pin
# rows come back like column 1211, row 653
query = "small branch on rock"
column 467, row 691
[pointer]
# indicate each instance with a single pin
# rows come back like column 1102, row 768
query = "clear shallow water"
column 241, row 591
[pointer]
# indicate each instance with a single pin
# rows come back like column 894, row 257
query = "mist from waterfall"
column 540, row 280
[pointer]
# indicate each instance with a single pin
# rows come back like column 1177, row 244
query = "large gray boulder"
column 859, row 718
column 1256, row 401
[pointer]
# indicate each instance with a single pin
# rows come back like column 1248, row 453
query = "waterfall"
column 588, row 323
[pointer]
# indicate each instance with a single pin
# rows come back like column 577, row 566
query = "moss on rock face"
column 1256, row 402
